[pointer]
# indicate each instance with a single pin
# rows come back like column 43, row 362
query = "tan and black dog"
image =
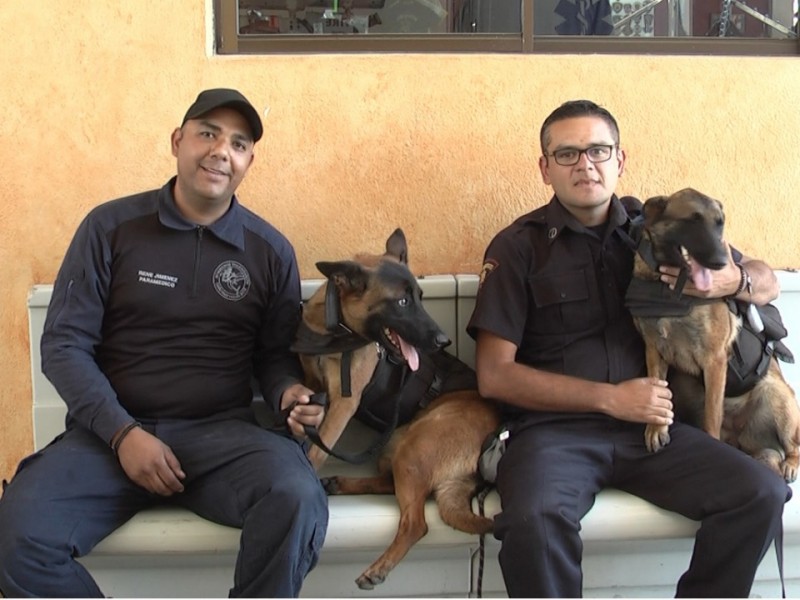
column 375, row 298
column 696, row 336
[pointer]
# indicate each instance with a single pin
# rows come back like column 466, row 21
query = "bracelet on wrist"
column 123, row 434
column 745, row 283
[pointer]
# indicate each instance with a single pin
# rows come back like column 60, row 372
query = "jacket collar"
column 229, row 228
column 556, row 218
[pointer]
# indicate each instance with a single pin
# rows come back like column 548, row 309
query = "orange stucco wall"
column 443, row 145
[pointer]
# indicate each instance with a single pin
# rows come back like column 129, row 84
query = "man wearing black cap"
column 166, row 306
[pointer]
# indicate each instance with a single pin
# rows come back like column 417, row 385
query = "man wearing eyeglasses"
column 557, row 348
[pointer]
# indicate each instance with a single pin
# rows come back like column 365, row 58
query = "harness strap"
column 356, row 458
column 347, row 359
column 645, row 250
column 333, row 310
column 766, row 356
column 633, row 235
column 433, row 391
column 737, row 351
column 308, row 341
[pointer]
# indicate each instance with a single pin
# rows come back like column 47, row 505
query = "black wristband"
column 122, row 434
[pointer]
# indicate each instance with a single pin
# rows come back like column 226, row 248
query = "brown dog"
column 696, row 336
column 437, row 452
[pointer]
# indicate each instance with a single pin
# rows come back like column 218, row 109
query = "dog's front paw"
column 773, row 459
column 368, row 580
column 330, row 485
column 789, row 468
column 656, row 437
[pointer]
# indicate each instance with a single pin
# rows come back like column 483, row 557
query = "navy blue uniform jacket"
column 155, row 317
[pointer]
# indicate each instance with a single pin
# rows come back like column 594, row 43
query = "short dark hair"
column 573, row 109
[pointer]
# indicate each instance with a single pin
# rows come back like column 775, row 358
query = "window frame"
column 229, row 41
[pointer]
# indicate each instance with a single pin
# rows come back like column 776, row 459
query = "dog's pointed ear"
column 396, row 246
column 347, row 275
column 653, row 208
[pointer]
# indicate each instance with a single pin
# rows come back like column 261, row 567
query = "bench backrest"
column 439, row 298
column 448, row 298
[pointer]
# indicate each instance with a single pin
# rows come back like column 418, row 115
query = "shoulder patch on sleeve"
column 489, row 266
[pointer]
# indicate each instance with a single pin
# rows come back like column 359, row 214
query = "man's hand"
column 150, row 463
column 296, row 397
column 643, row 400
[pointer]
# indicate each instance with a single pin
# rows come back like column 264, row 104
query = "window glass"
column 373, row 17
column 667, row 18
column 746, row 27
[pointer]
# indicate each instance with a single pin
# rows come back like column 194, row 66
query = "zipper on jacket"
column 197, row 251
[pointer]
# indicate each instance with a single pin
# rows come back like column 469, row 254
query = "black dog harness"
column 752, row 349
column 394, row 394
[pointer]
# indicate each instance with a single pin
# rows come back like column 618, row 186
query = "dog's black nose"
column 442, row 341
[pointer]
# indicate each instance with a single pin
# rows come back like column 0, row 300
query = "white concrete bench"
column 631, row 547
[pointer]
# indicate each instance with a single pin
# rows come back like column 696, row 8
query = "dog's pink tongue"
column 409, row 353
column 701, row 277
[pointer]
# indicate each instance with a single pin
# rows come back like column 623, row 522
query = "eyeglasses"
column 566, row 157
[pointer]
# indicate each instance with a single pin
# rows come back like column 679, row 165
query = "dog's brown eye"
column 403, row 302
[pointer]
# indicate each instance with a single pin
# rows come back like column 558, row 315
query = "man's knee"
column 766, row 488
column 298, row 493
column 535, row 526
column 773, row 493
column 19, row 555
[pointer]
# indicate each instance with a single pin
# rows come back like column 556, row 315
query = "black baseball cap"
column 209, row 100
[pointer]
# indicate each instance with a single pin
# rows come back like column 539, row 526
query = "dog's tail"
column 454, row 499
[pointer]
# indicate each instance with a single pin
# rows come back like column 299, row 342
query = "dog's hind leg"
column 412, row 490
column 771, row 458
column 789, row 467
column 786, row 413
column 789, row 433
column 454, row 499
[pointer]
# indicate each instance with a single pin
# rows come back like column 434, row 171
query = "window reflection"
column 656, row 18
column 620, row 18
column 369, row 16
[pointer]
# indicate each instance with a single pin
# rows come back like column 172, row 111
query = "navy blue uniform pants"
column 67, row 497
column 552, row 470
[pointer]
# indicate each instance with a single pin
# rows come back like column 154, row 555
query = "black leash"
column 779, row 555
column 481, row 542
column 321, row 399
